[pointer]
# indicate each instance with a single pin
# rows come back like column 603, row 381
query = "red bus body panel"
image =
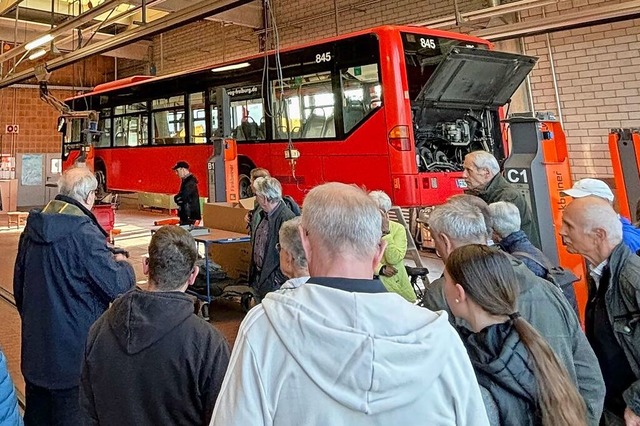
column 365, row 157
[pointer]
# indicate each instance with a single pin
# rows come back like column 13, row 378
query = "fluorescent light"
column 38, row 42
column 37, row 54
column 231, row 67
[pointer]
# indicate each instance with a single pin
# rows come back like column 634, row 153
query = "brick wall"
column 38, row 120
column 300, row 21
column 597, row 85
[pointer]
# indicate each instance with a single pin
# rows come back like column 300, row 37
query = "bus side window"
column 309, row 104
column 103, row 139
column 361, row 93
column 247, row 120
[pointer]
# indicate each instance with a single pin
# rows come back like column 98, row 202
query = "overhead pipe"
column 187, row 15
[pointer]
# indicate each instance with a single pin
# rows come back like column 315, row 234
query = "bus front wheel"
column 101, row 177
column 244, row 185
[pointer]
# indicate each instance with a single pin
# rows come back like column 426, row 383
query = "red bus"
column 390, row 108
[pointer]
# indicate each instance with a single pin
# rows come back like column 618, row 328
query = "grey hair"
column 268, row 187
column 343, row 218
column 602, row 216
column 382, row 200
column 459, row 221
column 485, row 160
column 289, row 238
column 478, row 202
column 505, row 218
column 77, row 183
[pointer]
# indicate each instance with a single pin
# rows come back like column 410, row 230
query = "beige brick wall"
column 597, row 84
column 595, row 67
column 300, row 21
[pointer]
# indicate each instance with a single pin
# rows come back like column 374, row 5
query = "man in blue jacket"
column 65, row 277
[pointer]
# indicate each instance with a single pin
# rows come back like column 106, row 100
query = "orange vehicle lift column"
column 222, row 169
column 539, row 167
column 624, row 146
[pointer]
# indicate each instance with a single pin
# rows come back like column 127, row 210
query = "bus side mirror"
column 62, row 125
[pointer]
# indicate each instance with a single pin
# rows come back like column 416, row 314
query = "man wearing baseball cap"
column 188, row 199
column 595, row 187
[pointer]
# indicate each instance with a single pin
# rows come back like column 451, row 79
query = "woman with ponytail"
column 515, row 366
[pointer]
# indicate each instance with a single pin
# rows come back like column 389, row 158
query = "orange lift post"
column 624, row 146
column 539, row 167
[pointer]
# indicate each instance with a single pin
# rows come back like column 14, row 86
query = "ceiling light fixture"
column 231, row 67
column 39, row 42
column 38, row 53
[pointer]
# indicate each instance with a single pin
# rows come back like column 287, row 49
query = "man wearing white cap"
column 597, row 188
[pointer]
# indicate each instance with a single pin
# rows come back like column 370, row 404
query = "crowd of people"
column 338, row 337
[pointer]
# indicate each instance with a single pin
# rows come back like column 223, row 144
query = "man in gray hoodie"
column 340, row 350
column 149, row 359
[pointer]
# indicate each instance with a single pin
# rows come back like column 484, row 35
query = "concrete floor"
column 134, row 237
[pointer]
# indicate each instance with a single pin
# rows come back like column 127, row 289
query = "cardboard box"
column 233, row 258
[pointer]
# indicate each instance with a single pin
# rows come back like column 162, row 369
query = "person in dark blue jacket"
column 505, row 221
column 65, row 276
column 9, row 413
column 524, row 383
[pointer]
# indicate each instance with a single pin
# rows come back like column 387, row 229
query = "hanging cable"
column 291, row 153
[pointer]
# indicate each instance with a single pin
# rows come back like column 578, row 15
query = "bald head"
column 342, row 219
column 591, row 227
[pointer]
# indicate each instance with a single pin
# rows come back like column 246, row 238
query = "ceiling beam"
column 68, row 25
column 8, row 5
column 592, row 16
column 29, row 30
column 248, row 15
column 190, row 14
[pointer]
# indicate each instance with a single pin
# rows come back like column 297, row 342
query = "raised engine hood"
column 475, row 77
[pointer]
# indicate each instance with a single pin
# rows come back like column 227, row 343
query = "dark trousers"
column 47, row 407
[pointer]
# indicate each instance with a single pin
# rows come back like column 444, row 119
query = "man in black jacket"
column 456, row 224
column 188, row 199
column 591, row 228
column 149, row 360
column 265, row 274
column 65, row 277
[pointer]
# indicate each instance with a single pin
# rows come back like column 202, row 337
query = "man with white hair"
column 505, row 220
column 264, row 273
column 590, row 227
column 340, row 350
column 597, row 188
column 457, row 224
column 483, row 178
column 65, row 277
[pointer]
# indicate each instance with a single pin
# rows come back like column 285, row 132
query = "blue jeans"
column 49, row 407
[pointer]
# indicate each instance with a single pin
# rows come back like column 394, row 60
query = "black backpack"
column 291, row 203
column 557, row 275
